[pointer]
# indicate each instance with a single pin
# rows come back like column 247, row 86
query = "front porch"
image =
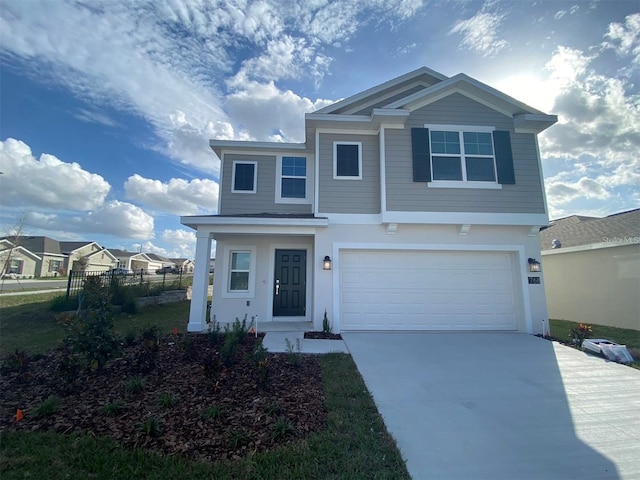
column 265, row 269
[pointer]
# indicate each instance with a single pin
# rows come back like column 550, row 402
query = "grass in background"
column 355, row 445
column 26, row 323
column 561, row 329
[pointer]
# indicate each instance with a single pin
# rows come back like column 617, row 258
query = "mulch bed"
column 254, row 415
column 322, row 336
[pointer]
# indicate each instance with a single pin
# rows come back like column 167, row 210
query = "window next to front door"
column 290, row 283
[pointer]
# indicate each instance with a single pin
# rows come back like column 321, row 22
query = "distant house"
column 17, row 261
column 591, row 269
column 52, row 262
column 186, row 265
column 157, row 262
column 58, row 258
column 87, row 256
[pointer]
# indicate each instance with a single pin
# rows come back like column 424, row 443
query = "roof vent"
column 555, row 243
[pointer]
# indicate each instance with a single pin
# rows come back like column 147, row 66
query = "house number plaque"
column 534, row 280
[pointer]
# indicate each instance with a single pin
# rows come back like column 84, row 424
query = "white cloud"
column 286, row 110
column 625, row 39
column 47, row 182
column 178, row 196
column 182, row 242
column 115, row 218
column 480, row 33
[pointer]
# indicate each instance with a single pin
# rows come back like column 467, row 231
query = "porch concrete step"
column 276, row 342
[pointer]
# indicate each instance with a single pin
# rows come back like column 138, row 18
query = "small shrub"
column 239, row 329
column 273, row 409
column 238, row 438
column 151, row 426
column 281, row 428
column 113, row 409
column 135, row 385
column 166, row 400
column 326, row 326
column 213, row 412
column 145, row 359
column 68, row 367
column 213, row 330
column 48, row 407
column 293, row 354
column 580, row 333
column 228, row 350
column 211, row 365
column 263, row 372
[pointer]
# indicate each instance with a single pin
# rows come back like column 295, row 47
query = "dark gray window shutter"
column 421, row 155
column 504, row 157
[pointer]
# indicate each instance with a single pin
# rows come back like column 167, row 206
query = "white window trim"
column 335, row 161
column 226, row 272
column 464, row 183
column 255, row 176
column 279, row 197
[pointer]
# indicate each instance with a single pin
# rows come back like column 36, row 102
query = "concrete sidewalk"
column 276, row 342
column 502, row 406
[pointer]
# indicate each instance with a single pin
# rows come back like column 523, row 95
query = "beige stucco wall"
column 28, row 267
column 600, row 286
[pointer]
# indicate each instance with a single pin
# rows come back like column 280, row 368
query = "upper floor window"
column 347, row 160
column 244, row 179
column 466, row 156
column 292, row 180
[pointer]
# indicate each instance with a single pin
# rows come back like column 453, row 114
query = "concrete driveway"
column 502, row 406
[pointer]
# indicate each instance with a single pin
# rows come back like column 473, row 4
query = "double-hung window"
column 239, row 269
column 291, row 184
column 15, row 266
column 244, row 177
column 462, row 156
column 347, row 160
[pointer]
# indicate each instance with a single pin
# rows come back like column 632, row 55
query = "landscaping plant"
column 580, row 333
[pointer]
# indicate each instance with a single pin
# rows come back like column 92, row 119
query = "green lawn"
column 27, row 324
column 561, row 329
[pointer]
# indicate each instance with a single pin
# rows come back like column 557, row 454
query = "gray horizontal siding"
column 263, row 201
column 387, row 101
column 403, row 194
column 350, row 196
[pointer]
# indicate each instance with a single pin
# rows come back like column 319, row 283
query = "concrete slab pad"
column 501, row 406
column 276, row 342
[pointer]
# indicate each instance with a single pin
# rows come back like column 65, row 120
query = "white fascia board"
column 255, row 145
column 196, row 222
column 353, row 218
column 24, row 251
column 330, row 117
column 380, row 88
column 456, row 84
column 591, row 246
column 259, row 229
column 533, row 123
column 470, row 218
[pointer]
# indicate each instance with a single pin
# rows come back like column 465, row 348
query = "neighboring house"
column 592, row 269
column 184, row 264
column 156, row 262
column 87, row 256
column 134, row 261
column 16, row 261
column 212, row 265
column 414, row 205
column 52, row 261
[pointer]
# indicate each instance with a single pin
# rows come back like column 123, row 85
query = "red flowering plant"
column 580, row 333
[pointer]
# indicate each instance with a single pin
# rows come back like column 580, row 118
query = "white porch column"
column 198, row 311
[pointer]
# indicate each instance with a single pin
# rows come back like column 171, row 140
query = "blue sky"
column 107, row 107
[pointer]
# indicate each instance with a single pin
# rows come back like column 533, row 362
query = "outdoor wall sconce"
column 326, row 263
column 534, row 265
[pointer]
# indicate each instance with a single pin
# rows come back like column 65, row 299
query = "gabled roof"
column 424, row 74
column 7, row 245
column 399, row 101
column 40, row 245
column 576, row 230
column 157, row 258
column 122, row 253
column 68, row 247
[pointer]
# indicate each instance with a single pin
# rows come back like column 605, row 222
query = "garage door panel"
column 427, row 290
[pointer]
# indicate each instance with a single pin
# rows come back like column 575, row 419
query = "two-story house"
column 414, row 205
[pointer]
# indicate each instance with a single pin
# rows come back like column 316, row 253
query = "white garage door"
column 427, row 290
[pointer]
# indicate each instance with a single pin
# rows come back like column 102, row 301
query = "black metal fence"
column 112, row 279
